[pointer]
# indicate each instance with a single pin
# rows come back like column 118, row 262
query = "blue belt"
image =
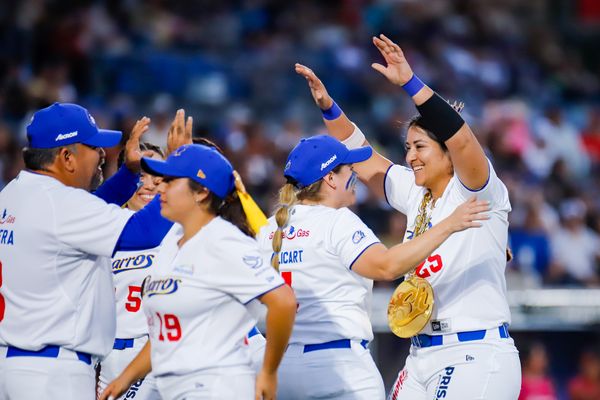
column 50, row 351
column 468, row 336
column 122, row 344
column 334, row 344
column 253, row 332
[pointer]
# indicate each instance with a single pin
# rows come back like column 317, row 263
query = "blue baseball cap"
column 62, row 124
column 315, row 157
column 199, row 163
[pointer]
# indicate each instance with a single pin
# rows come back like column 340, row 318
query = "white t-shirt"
column 320, row 245
column 467, row 270
column 195, row 299
column 56, row 280
column 129, row 269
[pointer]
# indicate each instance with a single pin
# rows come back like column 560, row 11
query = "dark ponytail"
column 230, row 208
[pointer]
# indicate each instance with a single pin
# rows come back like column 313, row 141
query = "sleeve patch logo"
column 253, row 262
column 357, row 237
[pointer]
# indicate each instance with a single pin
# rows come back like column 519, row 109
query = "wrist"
column 134, row 167
column 333, row 112
column 327, row 104
column 268, row 371
column 413, row 86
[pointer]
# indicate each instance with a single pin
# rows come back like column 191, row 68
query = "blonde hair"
column 289, row 195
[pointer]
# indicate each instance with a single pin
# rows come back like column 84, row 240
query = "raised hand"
column 397, row 70
column 317, row 89
column 468, row 215
column 180, row 132
column 133, row 154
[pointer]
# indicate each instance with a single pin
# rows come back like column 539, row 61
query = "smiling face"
column 430, row 163
column 148, row 188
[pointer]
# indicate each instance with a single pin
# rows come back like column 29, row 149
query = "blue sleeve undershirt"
column 145, row 229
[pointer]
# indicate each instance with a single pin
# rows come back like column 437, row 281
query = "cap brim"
column 104, row 138
column 358, row 155
column 160, row 168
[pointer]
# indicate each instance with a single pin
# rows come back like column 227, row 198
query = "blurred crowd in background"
column 527, row 71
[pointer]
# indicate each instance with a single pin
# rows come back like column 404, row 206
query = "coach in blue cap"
column 57, row 308
column 65, row 142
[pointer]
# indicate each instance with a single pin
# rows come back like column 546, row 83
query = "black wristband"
column 439, row 118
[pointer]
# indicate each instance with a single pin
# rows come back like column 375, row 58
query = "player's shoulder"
column 344, row 215
column 398, row 173
column 49, row 194
column 221, row 230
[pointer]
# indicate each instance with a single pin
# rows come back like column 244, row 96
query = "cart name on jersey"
column 140, row 261
column 290, row 257
column 161, row 286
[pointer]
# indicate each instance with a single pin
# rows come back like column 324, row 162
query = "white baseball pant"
column 217, row 384
column 60, row 377
column 329, row 373
column 484, row 369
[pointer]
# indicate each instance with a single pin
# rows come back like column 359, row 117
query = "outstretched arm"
column 380, row 263
column 371, row 171
column 468, row 158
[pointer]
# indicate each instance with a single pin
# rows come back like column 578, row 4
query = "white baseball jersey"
column 320, row 244
column 467, row 270
column 129, row 269
column 56, row 280
column 195, row 299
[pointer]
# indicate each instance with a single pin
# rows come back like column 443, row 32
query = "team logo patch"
column 180, row 150
column 6, row 218
column 288, row 166
column 201, row 174
column 253, row 262
column 132, row 263
column 161, row 286
column 357, row 237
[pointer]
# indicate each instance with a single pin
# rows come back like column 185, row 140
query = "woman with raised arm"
column 330, row 258
column 461, row 348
